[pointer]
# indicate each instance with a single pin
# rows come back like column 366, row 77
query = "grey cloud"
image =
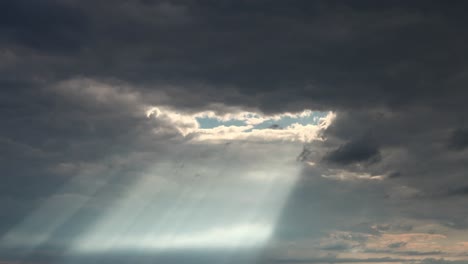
column 463, row 190
column 412, row 144
column 341, row 55
column 459, row 139
column 360, row 150
column 394, row 72
column 397, row 227
column 337, row 247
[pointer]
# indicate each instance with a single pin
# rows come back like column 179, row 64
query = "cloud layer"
column 366, row 100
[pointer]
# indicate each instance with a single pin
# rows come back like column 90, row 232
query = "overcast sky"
column 233, row 131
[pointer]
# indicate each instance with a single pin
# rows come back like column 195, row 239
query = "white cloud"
column 188, row 125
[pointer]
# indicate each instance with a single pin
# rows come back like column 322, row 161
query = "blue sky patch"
column 311, row 118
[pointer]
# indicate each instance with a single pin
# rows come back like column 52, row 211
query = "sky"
column 233, row 131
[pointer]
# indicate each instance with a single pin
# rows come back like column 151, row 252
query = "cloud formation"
column 95, row 94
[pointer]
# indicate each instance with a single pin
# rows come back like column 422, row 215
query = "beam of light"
column 233, row 205
column 39, row 226
column 226, row 200
column 221, row 237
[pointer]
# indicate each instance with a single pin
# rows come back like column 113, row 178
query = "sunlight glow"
column 198, row 196
column 237, row 236
column 219, row 211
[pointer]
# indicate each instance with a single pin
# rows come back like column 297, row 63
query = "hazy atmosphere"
column 233, row 132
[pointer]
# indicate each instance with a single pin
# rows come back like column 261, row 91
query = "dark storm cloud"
column 327, row 54
column 48, row 26
column 395, row 72
column 360, row 150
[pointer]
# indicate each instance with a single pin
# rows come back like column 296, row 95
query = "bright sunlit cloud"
column 208, row 126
